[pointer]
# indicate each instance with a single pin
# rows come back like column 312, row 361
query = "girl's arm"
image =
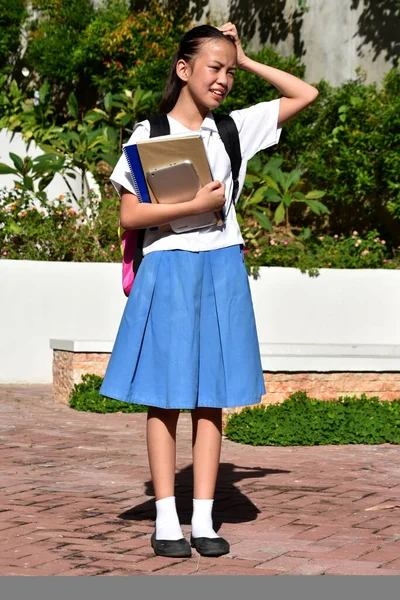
column 138, row 215
column 296, row 94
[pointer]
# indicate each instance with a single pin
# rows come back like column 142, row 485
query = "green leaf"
column 6, row 170
column 271, row 182
column 14, row 89
column 287, row 200
column 17, row 160
column 254, row 164
column 279, row 214
column 28, row 183
column 315, row 194
column 252, row 178
column 45, row 181
column 108, row 102
column 44, row 92
column 262, row 219
column 272, row 164
column 317, row 207
column 126, row 120
column 293, row 178
column 73, row 107
column 299, row 196
column 258, row 196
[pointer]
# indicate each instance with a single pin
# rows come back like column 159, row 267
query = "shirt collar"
column 207, row 124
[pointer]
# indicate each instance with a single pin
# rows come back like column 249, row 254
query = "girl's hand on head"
column 230, row 29
column 211, row 197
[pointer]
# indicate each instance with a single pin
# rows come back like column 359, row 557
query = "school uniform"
column 187, row 336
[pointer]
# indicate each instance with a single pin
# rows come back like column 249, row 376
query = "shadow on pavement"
column 230, row 506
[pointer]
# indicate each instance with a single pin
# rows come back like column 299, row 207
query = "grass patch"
column 304, row 421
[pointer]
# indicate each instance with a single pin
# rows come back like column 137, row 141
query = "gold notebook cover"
column 165, row 150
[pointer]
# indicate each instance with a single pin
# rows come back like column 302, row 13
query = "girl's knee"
column 205, row 412
column 163, row 414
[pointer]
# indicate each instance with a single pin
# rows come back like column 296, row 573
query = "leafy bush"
column 348, row 144
column 55, row 34
column 85, row 397
column 12, row 16
column 34, row 228
column 312, row 252
column 94, row 49
column 304, row 421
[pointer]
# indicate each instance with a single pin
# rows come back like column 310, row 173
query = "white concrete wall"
column 43, row 300
column 348, row 315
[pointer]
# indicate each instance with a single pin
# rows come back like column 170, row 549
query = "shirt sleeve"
column 121, row 176
column 258, row 127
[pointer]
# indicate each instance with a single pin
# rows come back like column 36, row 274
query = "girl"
column 187, row 338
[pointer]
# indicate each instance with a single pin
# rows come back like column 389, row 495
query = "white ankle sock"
column 167, row 522
column 202, row 525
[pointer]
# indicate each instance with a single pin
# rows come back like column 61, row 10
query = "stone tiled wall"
column 68, row 368
column 327, row 386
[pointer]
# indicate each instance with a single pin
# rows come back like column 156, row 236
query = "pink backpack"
column 129, row 243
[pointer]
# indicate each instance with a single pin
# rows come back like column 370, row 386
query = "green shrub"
column 348, row 144
column 34, row 228
column 85, row 397
column 312, row 252
column 304, row 421
column 12, row 16
column 93, row 49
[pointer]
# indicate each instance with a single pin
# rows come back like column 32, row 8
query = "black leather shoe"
column 172, row 548
column 210, row 546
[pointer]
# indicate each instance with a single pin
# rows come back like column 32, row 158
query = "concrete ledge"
column 330, row 357
column 82, row 345
column 324, row 371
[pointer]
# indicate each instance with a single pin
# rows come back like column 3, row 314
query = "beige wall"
column 334, row 38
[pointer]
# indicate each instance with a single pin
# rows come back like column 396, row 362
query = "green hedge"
column 85, row 397
column 304, row 421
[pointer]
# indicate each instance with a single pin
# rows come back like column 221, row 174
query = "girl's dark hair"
column 188, row 48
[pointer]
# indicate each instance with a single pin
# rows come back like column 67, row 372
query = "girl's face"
column 209, row 76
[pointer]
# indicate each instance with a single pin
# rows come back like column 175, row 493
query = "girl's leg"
column 161, row 448
column 207, row 436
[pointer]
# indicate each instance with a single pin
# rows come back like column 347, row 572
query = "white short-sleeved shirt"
column 258, row 129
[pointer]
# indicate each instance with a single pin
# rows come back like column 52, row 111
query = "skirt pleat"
column 188, row 337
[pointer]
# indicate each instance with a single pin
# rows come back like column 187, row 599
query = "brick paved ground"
column 76, row 500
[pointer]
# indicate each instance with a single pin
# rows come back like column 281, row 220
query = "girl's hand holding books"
column 211, row 198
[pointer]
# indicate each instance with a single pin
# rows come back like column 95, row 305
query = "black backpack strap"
column 230, row 136
column 159, row 125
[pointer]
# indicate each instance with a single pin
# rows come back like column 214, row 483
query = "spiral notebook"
column 136, row 170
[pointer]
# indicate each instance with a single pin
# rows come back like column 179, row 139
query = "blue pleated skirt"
column 187, row 337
